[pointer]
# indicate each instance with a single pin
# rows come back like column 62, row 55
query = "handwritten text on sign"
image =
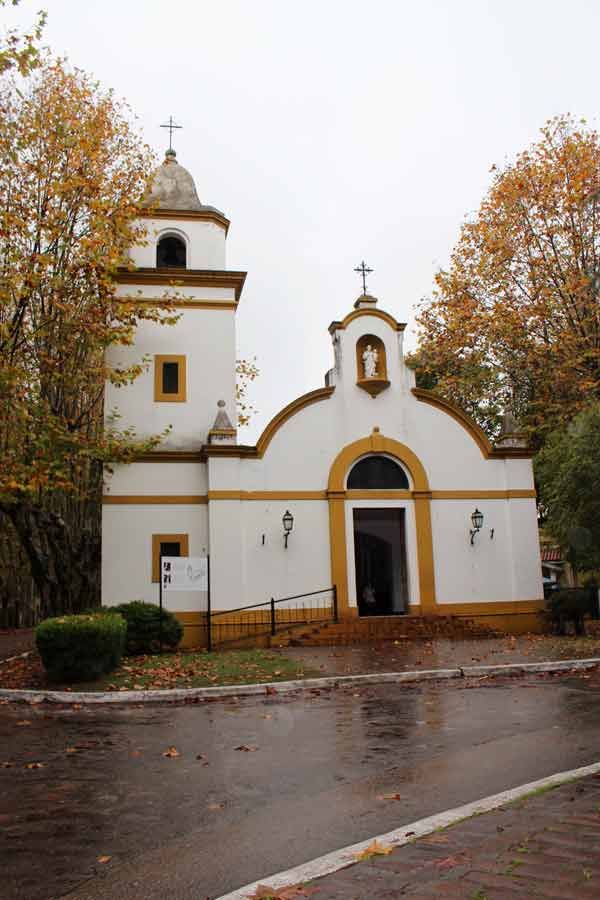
column 184, row 573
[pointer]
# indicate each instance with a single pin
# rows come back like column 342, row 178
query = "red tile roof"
column 552, row 554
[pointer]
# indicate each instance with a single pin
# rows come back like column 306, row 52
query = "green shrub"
column 144, row 627
column 569, row 606
column 81, row 648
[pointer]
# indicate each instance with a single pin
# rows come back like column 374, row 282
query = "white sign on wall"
column 184, row 573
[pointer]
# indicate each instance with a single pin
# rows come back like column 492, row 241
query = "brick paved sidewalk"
column 547, row 846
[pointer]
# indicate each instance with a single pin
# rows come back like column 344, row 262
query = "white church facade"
column 394, row 495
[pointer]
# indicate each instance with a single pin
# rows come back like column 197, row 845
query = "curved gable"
column 287, row 412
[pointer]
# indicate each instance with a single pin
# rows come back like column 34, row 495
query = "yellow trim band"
column 149, row 499
column 357, row 313
column 154, row 499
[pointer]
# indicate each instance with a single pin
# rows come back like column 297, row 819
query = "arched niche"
column 371, row 364
column 171, row 252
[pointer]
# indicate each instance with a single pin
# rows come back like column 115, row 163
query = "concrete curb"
column 285, row 687
column 340, row 859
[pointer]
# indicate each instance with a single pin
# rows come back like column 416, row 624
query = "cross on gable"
column 363, row 271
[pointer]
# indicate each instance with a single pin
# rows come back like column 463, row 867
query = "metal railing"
column 271, row 616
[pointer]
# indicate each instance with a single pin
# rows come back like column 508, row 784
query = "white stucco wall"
column 205, row 242
column 147, row 478
column 206, row 337
column 127, row 550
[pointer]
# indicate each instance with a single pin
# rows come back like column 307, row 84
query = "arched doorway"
column 412, row 494
column 381, row 575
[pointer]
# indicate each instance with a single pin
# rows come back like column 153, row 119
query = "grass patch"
column 199, row 669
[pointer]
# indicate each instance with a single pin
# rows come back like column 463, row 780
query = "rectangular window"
column 167, row 545
column 169, row 379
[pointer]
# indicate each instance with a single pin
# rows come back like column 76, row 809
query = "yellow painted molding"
column 471, row 427
column 159, row 395
column 425, row 554
column 267, row 495
column 181, row 303
column 512, row 494
column 459, row 415
column 154, row 499
column 157, row 540
column 207, row 215
column 358, row 313
column 337, row 544
column 370, row 495
column 493, row 608
column 287, row 412
column 376, row 443
column 183, row 278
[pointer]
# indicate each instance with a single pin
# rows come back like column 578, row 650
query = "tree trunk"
column 64, row 560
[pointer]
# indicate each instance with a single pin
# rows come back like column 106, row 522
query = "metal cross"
column 363, row 271
column 172, row 127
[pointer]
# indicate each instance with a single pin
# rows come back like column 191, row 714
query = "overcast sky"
column 333, row 131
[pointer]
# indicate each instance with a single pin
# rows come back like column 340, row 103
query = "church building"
column 367, row 485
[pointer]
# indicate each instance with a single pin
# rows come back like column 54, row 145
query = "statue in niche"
column 370, row 357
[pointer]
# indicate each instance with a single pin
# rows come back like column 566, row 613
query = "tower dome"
column 173, row 187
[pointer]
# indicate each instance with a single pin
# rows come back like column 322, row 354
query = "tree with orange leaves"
column 514, row 321
column 72, row 172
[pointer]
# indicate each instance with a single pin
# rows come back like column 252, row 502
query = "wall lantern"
column 288, row 524
column 477, row 520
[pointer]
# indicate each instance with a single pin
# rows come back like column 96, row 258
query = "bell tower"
column 190, row 366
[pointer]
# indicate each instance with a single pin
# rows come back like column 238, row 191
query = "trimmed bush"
column 144, row 627
column 81, row 648
column 569, row 606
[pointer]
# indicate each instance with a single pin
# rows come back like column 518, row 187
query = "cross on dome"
column 172, row 127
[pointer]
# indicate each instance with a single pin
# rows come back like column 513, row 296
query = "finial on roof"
column 222, row 431
column 511, row 435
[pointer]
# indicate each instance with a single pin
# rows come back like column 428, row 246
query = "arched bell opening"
column 171, row 252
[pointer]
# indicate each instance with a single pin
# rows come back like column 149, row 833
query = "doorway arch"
column 420, row 494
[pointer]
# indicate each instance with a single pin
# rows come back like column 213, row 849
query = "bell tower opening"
column 171, row 253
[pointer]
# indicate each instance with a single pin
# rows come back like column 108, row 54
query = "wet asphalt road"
column 188, row 827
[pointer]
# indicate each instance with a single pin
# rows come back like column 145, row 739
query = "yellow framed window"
column 169, row 379
column 167, row 545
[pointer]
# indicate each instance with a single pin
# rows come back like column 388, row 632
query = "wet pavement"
column 261, row 785
column 440, row 653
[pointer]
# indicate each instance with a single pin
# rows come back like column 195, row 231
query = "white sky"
column 333, row 131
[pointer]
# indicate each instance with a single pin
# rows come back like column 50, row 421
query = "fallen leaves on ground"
column 389, row 797
column 449, row 862
column 375, row 848
column 215, row 806
column 264, row 892
column 172, row 752
column 247, row 748
column 34, row 765
column 104, row 859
